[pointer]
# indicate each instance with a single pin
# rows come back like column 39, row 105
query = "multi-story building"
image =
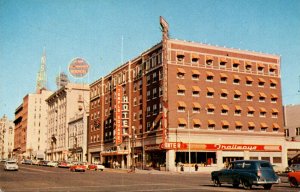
column 31, row 125
column 6, row 137
column 186, row 102
column 63, row 105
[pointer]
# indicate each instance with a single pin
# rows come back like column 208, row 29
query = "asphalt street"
column 35, row 178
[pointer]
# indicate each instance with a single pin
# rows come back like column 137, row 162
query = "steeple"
column 41, row 81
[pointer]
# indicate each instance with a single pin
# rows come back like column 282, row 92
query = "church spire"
column 41, row 82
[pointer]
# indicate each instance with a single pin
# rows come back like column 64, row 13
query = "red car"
column 96, row 166
column 294, row 178
column 65, row 164
column 78, row 167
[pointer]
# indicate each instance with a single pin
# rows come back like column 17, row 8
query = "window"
column 140, row 84
column 181, row 89
column 209, row 76
column 209, row 60
column 134, row 101
column 272, row 69
column 262, row 112
column 181, row 123
column 154, row 93
column 286, row 132
column 154, row 77
column 277, row 160
column 223, row 78
column 196, row 91
column 181, row 106
column 211, row 124
column 225, row 125
column 160, row 91
column 250, row 112
column 148, row 126
column 155, row 111
column 260, row 67
column 236, row 80
column 261, row 82
column 238, row 126
column 148, row 95
column 148, row 111
column 180, row 73
column 251, row 126
column 274, row 98
column 195, row 75
column 235, row 64
column 249, row 81
column 237, row 95
column 224, row 110
column 195, row 58
column 263, row 127
column 297, row 131
column 210, row 92
column 262, row 97
column 180, row 57
column 250, row 96
column 210, row 109
column 161, row 74
column 237, row 111
column 196, row 124
column 223, row 62
column 224, row 94
column 148, row 79
column 248, row 66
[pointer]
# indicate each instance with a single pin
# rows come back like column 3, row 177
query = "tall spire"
column 41, row 82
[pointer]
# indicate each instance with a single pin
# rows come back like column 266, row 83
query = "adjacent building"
column 30, row 126
column 6, row 137
column 67, row 120
column 188, row 103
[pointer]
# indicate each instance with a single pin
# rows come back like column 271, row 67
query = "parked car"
column 96, row 166
column 278, row 169
column 35, row 162
column 246, row 173
column 11, row 165
column 27, row 162
column 293, row 167
column 65, row 164
column 294, row 178
column 52, row 164
column 78, row 167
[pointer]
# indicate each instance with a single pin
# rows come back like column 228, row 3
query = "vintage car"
column 52, row 164
column 246, row 173
column 293, row 167
column 65, row 164
column 11, row 165
column 96, row 166
column 78, row 167
column 294, row 178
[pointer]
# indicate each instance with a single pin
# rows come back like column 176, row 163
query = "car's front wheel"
column 293, row 182
column 267, row 186
column 216, row 182
column 246, row 184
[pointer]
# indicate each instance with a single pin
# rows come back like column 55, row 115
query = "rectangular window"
column 180, row 92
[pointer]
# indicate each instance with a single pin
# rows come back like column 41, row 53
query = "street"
column 38, row 178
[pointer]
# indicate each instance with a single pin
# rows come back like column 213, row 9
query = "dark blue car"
column 246, row 173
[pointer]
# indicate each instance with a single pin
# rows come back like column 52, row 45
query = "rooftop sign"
column 78, row 68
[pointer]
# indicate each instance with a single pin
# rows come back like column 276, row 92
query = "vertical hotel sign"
column 118, row 115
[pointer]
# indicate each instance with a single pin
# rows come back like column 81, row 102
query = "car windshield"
column 11, row 162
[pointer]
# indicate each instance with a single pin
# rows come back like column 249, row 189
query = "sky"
column 107, row 33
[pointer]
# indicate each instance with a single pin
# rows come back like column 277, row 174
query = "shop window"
column 277, row 160
column 265, row 158
column 200, row 158
column 253, row 158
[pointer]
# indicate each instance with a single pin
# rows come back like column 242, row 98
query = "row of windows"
column 225, row 110
column 211, row 125
column 210, row 93
column 224, row 78
column 223, row 63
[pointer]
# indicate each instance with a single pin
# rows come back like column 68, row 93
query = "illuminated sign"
column 235, row 147
column 118, row 132
column 173, row 145
column 78, row 67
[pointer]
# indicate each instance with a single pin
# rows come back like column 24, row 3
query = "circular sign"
column 78, row 67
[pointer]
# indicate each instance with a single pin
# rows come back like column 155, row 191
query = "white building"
column 63, row 105
column 6, row 137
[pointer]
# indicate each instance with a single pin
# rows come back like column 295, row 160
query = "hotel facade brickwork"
column 189, row 103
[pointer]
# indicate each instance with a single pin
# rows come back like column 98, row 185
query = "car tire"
column 267, row 186
column 246, row 184
column 293, row 182
column 216, row 182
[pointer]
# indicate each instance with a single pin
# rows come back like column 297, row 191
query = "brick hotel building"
column 186, row 102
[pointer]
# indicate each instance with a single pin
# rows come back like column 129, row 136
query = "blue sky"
column 93, row 29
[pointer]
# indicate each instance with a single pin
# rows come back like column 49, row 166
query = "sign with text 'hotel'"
column 118, row 132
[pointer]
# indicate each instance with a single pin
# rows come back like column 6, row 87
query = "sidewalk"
column 153, row 171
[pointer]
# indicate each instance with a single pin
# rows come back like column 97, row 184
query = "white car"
column 52, row 164
column 11, row 166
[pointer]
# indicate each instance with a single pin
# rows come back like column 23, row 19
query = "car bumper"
column 261, row 182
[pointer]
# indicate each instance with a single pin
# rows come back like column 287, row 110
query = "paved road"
column 34, row 178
